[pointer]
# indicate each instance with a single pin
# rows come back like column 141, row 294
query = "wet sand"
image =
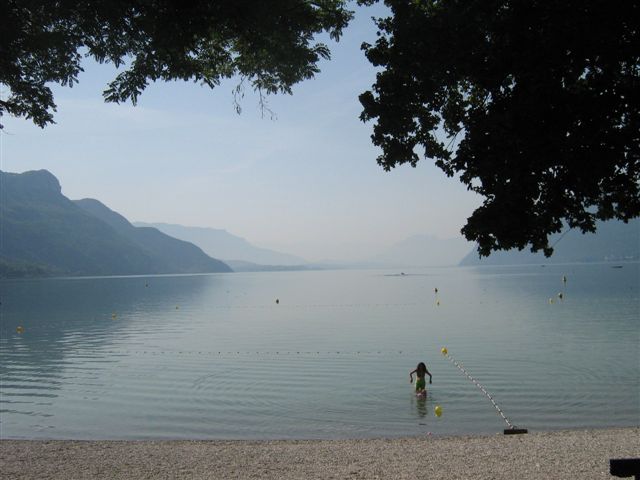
column 580, row 454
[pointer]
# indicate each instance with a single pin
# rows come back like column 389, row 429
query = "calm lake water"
column 214, row 356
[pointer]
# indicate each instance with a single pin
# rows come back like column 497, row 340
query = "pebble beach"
column 580, row 454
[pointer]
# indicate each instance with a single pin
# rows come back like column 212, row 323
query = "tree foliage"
column 534, row 104
column 269, row 44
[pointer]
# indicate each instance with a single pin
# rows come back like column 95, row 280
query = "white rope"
column 477, row 384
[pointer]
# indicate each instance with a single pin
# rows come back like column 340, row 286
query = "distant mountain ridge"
column 178, row 255
column 225, row 245
column 42, row 232
column 613, row 241
column 242, row 266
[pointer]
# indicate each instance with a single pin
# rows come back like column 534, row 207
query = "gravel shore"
column 580, row 454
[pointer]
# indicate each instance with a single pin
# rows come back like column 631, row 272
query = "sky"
column 305, row 182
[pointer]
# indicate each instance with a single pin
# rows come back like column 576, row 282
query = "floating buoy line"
column 246, row 353
column 512, row 428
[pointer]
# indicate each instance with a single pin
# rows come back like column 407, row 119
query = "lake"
column 319, row 354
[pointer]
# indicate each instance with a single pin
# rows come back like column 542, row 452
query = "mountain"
column 613, row 241
column 42, row 232
column 424, row 251
column 178, row 255
column 242, row 266
column 225, row 245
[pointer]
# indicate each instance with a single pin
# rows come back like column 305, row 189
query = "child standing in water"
column 420, row 371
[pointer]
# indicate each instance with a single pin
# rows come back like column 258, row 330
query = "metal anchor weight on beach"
column 512, row 430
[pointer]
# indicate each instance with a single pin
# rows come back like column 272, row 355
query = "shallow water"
column 214, row 356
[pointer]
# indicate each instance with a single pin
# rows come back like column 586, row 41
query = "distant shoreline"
column 553, row 454
column 317, row 268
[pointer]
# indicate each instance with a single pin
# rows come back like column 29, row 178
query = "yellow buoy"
column 438, row 410
column 19, row 329
column 114, row 316
column 444, row 350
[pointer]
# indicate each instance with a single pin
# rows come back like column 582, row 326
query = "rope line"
column 560, row 238
column 93, row 352
column 479, row 385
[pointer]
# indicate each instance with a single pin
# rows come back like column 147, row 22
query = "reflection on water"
column 421, row 406
column 214, row 356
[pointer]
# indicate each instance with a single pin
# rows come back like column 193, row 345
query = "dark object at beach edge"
column 625, row 467
column 515, row 431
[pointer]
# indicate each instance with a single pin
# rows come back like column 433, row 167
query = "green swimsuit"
column 421, row 384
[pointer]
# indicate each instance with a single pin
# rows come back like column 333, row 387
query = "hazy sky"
column 305, row 183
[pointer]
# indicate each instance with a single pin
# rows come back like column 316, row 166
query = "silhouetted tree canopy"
column 534, row 104
column 268, row 44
